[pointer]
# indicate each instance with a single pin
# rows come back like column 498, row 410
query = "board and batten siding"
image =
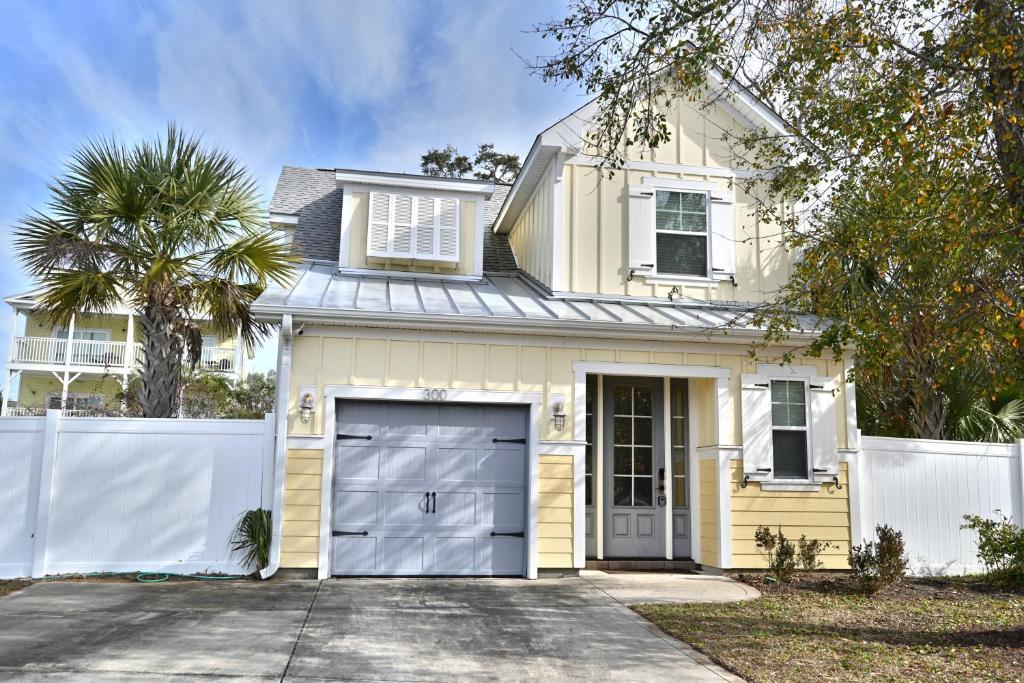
column 822, row 514
column 531, row 236
column 360, row 226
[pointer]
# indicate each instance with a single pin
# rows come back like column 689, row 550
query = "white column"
column 599, row 467
column 667, row 441
column 8, row 373
column 239, row 362
column 68, row 350
column 129, row 359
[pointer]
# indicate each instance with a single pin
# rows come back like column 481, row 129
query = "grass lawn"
column 818, row 629
column 11, row 585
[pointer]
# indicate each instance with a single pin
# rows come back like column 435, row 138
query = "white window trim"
column 706, row 234
column 808, row 477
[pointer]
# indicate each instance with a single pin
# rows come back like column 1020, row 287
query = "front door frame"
column 581, row 369
column 333, row 392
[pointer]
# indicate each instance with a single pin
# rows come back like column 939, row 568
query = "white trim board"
column 333, row 392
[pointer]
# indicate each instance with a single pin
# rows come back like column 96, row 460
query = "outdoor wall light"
column 558, row 415
column 306, row 407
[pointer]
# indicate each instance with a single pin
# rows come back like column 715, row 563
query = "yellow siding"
column 554, row 530
column 357, row 242
column 36, row 387
column 709, row 513
column 823, row 514
column 596, row 213
column 300, row 540
column 531, row 235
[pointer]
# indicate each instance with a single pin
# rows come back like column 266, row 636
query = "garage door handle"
column 350, row 533
column 508, row 440
column 517, row 534
column 433, row 497
column 365, row 437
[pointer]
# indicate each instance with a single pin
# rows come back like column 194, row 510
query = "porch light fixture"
column 306, row 408
column 558, row 415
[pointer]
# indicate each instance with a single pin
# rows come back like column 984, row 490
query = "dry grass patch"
column 818, row 629
column 11, row 585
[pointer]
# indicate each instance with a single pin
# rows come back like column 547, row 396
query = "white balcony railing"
column 103, row 354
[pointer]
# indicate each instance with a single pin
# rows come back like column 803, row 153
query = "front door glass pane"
column 633, row 440
column 678, row 438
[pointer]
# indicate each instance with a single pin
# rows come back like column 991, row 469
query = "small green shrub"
column 807, row 551
column 1000, row 547
column 879, row 565
column 252, row 538
column 779, row 551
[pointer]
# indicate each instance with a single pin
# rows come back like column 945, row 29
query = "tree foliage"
column 213, row 396
column 898, row 176
column 488, row 164
column 170, row 228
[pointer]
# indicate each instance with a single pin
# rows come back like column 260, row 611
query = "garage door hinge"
column 365, row 437
column 508, row 440
column 517, row 534
column 350, row 533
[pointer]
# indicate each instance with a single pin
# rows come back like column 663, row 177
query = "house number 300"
column 435, row 394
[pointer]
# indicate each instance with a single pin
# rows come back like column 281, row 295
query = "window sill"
column 795, row 485
column 656, row 279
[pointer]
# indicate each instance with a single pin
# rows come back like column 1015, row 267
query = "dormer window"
column 413, row 226
column 681, row 233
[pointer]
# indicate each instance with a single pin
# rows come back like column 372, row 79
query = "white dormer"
column 398, row 222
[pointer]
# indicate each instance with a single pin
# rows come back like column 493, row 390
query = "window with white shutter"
column 411, row 226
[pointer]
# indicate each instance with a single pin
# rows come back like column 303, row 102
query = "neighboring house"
column 84, row 367
column 484, row 379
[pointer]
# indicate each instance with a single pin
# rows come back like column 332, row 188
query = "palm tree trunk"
column 927, row 404
column 161, row 362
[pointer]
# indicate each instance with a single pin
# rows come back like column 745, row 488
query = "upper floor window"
column 413, row 226
column 681, row 233
column 789, row 429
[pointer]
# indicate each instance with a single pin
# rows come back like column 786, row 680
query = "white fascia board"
column 522, row 189
column 555, row 327
column 284, row 218
column 749, row 106
column 414, row 183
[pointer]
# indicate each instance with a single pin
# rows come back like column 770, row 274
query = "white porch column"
column 8, row 373
column 667, row 480
column 68, row 350
column 599, row 467
column 239, row 361
column 129, row 359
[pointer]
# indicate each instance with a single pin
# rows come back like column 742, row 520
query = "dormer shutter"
column 723, row 235
column 641, row 228
column 411, row 226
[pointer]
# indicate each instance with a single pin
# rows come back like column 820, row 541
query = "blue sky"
column 323, row 84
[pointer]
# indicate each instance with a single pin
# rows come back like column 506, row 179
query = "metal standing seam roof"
column 321, row 291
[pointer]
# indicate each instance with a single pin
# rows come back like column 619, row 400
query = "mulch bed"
column 820, row 629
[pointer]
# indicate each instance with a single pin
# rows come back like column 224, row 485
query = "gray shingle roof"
column 313, row 195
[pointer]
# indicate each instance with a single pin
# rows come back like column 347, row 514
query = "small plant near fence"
column 784, row 557
column 880, row 564
column 1000, row 547
column 252, row 538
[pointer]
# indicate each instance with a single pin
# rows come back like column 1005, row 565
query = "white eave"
column 414, row 182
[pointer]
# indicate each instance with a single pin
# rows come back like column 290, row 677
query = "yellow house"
column 480, row 379
column 84, row 367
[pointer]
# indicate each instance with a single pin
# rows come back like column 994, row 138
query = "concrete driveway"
column 350, row 629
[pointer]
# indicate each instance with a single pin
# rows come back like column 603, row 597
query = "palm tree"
column 171, row 228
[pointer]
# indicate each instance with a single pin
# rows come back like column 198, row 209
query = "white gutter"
column 554, row 327
column 284, row 371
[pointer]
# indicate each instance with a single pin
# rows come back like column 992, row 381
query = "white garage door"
column 428, row 488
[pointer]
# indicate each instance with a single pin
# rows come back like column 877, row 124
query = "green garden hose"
column 161, row 577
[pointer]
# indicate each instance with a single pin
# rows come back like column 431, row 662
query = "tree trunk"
column 927, row 404
column 161, row 362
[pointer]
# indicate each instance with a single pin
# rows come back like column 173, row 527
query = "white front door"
column 429, row 488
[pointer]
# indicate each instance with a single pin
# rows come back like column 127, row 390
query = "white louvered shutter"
column 380, row 219
column 426, row 227
column 756, row 405
column 641, row 228
column 723, row 234
column 401, row 244
column 448, row 230
column 824, row 445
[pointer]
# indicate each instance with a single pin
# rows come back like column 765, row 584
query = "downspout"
column 284, row 371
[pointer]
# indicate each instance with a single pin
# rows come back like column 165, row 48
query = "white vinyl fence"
column 124, row 494
column 924, row 488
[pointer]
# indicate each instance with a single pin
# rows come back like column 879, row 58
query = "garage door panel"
column 410, row 419
column 403, row 554
column 360, row 418
column 504, row 509
column 454, row 508
column 356, row 508
column 456, row 464
column 406, row 462
column 355, row 555
column 454, row 554
column 500, row 555
column 356, row 462
column 501, row 465
column 463, row 422
column 403, row 507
